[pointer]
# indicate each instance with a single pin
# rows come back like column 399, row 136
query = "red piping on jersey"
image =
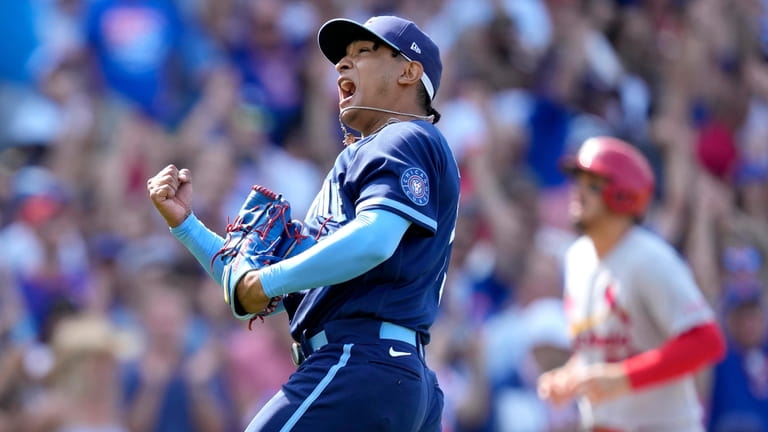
column 684, row 354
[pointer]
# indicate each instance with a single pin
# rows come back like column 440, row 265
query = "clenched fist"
column 603, row 381
column 598, row 382
column 558, row 385
column 171, row 193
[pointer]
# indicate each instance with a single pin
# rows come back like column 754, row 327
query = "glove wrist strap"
column 230, row 277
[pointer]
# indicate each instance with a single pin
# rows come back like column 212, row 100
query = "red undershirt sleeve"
column 686, row 353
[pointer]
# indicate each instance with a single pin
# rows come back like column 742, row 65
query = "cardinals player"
column 639, row 324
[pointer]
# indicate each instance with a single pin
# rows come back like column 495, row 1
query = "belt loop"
column 304, row 345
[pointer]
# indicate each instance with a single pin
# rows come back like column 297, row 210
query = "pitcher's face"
column 368, row 76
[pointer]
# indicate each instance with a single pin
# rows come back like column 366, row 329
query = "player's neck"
column 381, row 117
column 380, row 123
column 370, row 120
column 605, row 236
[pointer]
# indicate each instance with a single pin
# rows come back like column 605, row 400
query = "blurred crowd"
column 107, row 324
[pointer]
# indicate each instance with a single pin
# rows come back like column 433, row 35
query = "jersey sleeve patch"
column 415, row 184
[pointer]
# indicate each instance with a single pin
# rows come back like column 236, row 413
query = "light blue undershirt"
column 202, row 243
column 362, row 244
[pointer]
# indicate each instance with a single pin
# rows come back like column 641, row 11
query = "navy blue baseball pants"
column 359, row 375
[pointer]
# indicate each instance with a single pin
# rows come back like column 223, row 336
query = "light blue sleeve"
column 362, row 244
column 202, row 243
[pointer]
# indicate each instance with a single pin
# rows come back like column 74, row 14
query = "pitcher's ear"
column 412, row 72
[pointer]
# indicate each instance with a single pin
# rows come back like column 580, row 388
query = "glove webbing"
column 239, row 231
column 293, row 231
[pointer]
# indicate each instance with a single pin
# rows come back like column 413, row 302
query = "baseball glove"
column 261, row 234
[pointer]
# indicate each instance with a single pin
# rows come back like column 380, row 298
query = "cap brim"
column 337, row 34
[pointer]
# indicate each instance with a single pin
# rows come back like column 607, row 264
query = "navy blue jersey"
column 406, row 168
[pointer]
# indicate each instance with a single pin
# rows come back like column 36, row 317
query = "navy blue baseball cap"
column 400, row 34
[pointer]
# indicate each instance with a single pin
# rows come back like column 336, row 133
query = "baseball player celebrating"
column 361, row 301
column 639, row 324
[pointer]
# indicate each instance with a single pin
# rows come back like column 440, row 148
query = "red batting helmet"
column 630, row 179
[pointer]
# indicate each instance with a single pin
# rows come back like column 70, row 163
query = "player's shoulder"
column 648, row 241
column 580, row 245
column 646, row 247
column 638, row 246
column 412, row 138
column 654, row 262
column 406, row 131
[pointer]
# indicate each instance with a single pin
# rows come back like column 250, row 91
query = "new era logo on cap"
column 400, row 34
